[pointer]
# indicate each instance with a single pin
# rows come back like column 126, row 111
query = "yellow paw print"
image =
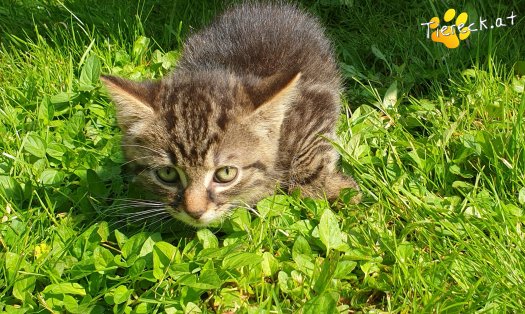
column 448, row 35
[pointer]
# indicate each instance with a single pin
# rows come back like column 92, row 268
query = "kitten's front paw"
column 333, row 186
column 339, row 186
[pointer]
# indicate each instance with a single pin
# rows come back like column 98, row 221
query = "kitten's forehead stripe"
column 257, row 165
column 187, row 117
column 172, row 157
column 221, row 121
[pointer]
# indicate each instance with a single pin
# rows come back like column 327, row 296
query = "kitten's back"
column 261, row 40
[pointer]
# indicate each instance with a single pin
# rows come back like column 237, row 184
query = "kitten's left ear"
column 134, row 100
column 275, row 94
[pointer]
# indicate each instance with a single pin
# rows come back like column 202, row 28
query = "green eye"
column 225, row 174
column 168, row 175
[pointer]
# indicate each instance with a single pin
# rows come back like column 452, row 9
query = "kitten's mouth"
column 200, row 219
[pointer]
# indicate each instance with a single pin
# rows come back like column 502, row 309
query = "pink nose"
column 195, row 201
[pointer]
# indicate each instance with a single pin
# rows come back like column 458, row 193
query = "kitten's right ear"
column 273, row 96
column 134, row 101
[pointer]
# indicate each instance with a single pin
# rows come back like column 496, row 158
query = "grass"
column 435, row 139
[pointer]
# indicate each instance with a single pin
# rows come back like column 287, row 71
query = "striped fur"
column 257, row 90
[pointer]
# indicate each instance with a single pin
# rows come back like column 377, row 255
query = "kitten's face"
column 202, row 144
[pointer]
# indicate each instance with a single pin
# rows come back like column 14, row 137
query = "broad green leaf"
column 208, row 279
column 23, row 287
column 344, row 269
column 329, row 231
column 83, row 268
column 171, row 310
column 347, row 195
column 192, row 308
column 97, row 110
column 142, row 308
column 378, row 53
column 323, row 303
column 514, row 210
column 102, row 257
column 65, row 288
column 121, row 294
column 56, row 150
column 137, row 267
column 90, row 74
column 103, row 231
column 521, row 196
column 218, row 253
column 39, row 166
column 35, row 145
column 273, row 206
column 370, row 268
column 169, row 59
column 301, row 246
column 13, row 262
column 328, row 267
column 238, row 260
column 305, row 263
column 405, row 252
column 240, row 219
column 46, row 110
column 60, row 98
column 284, row 281
column 70, row 304
column 122, row 57
column 75, row 124
column 55, row 302
column 390, row 99
column 207, row 238
column 140, row 46
column 11, row 188
column 270, row 265
column 133, row 245
column 164, row 255
column 462, row 185
column 121, row 238
column 455, row 169
column 148, row 245
column 52, row 177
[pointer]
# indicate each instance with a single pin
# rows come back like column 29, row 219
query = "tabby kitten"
column 250, row 106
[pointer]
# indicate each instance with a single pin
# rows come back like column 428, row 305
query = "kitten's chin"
column 209, row 218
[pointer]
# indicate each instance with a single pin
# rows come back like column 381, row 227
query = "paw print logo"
column 450, row 35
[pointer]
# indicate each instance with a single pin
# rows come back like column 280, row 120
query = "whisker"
column 146, row 169
column 159, row 152
column 141, row 218
column 119, row 209
column 157, row 223
column 132, row 201
column 135, row 159
column 144, row 212
column 116, row 205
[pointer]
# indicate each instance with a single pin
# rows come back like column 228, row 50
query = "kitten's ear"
column 275, row 95
column 134, row 101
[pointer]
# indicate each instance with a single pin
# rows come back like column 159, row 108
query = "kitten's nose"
column 195, row 201
column 196, row 214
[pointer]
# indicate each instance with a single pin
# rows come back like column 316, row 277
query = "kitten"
column 250, row 106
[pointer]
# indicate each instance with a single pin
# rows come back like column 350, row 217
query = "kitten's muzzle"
column 194, row 201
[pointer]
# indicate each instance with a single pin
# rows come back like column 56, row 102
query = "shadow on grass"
column 166, row 22
column 380, row 42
